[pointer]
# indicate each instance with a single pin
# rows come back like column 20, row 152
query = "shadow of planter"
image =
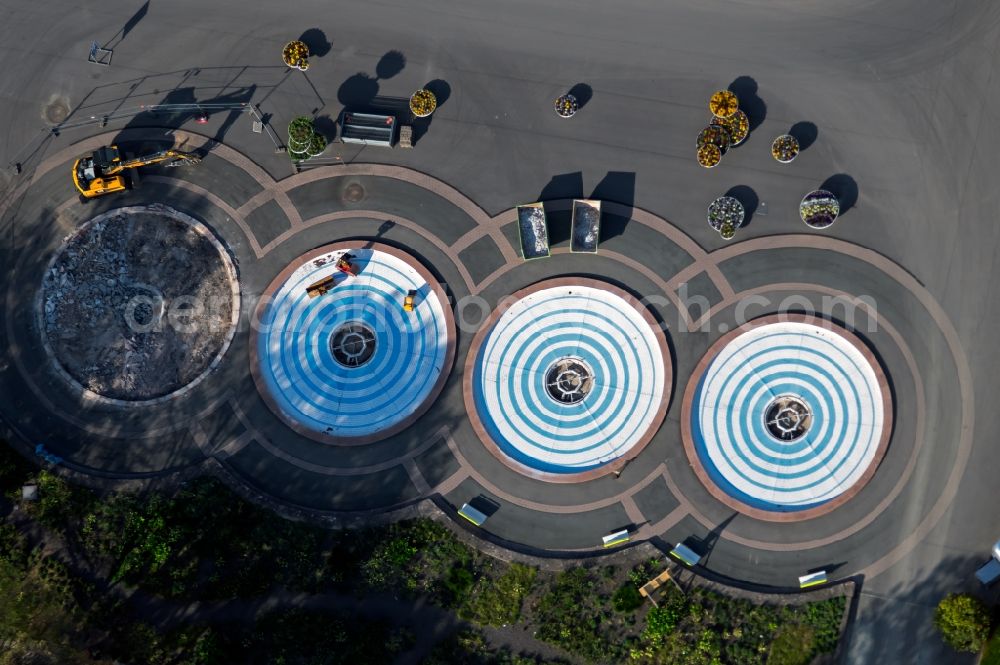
column 746, row 89
column 844, row 188
column 805, row 133
column 748, row 198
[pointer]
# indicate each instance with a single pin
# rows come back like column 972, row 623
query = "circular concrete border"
column 278, row 282
column 583, row 476
column 228, row 262
column 770, row 515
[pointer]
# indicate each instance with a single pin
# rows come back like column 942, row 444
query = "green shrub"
column 59, row 503
column 964, row 622
column 498, row 602
column 991, row 654
column 627, row 598
column 793, row 645
column 662, row 620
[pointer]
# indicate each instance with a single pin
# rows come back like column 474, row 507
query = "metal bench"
column 812, row 579
column 685, row 554
column 477, row 517
column 616, row 538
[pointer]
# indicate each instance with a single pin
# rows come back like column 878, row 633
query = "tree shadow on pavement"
column 315, row 40
column 390, row 64
column 357, row 91
column 180, row 106
column 844, row 188
column 746, row 89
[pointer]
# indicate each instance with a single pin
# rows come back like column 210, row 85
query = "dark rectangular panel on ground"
column 551, row 531
column 289, row 483
column 655, row 500
column 230, row 183
column 385, row 195
column 268, row 222
column 481, row 258
column 436, row 463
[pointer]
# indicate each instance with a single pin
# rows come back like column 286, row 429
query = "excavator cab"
column 91, row 174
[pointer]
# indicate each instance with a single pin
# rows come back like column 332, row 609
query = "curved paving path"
column 697, row 295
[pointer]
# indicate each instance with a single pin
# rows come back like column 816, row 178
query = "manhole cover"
column 353, row 193
column 569, row 380
column 56, row 111
column 352, row 344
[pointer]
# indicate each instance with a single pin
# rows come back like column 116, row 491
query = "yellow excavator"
column 102, row 172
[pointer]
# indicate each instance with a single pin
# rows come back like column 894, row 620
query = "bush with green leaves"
column 964, row 622
column 627, row 598
column 497, row 602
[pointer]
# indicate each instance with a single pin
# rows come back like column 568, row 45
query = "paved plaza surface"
column 898, row 97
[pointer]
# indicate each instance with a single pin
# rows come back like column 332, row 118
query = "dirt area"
column 138, row 303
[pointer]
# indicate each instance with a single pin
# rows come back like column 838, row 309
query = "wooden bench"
column 647, row 589
column 321, row 287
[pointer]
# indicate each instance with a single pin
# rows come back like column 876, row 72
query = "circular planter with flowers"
column 785, row 148
column 423, row 103
column 709, row 155
column 295, row 54
column 819, row 209
column 725, row 211
column 716, row 135
column 723, row 104
column 737, row 125
column 567, row 106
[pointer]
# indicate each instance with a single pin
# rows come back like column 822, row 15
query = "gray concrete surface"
column 901, row 94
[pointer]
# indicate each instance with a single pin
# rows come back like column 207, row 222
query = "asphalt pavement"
column 896, row 95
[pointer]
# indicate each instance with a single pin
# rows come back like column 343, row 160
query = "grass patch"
column 991, row 654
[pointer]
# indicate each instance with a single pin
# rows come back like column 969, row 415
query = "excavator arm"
column 100, row 173
column 175, row 157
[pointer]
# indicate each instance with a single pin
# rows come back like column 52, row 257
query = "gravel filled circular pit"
column 139, row 303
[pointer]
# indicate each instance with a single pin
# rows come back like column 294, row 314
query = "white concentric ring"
column 318, row 395
column 832, row 375
column 601, row 329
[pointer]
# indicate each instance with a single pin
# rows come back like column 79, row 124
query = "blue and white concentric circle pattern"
column 297, row 364
column 825, row 373
column 600, row 331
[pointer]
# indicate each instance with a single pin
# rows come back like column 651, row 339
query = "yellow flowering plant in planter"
column 296, row 54
column 723, row 104
column 422, row 103
column 709, row 155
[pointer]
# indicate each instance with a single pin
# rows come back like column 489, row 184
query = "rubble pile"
column 138, row 303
